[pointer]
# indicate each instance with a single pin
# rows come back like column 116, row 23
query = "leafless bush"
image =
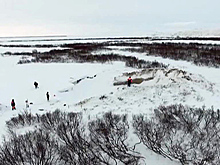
column 109, row 138
column 98, row 148
column 36, row 148
column 51, row 120
column 25, row 118
column 190, row 135
column 40, row 147
column 73, row 144
column 183, row 133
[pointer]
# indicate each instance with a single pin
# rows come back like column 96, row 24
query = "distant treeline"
column 111, row 39
column 30, row 46
column 14, row 39
column 199, row 54
column 189, row 38
column 83, row 55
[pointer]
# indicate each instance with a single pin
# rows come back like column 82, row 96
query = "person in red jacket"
column 129, row 81
column 13, row 104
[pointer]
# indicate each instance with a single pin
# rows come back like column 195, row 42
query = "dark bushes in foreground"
column 60, row 138
column 109, row 135
column 190, row 135
column 36, row 148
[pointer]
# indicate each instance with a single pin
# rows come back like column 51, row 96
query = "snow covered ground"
column 167, row 87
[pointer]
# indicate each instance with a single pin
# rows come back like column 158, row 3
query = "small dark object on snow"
column 77, row 81
column 36, row 85
column 103, row 97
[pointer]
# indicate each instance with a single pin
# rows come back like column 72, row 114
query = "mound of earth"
column 152, row 88
column 158, row 76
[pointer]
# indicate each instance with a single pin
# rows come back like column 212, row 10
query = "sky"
column 106, row 18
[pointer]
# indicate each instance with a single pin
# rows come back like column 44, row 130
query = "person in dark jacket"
column 36, row 85
column 13, row 104
column 48, row 96
column 129, row 81
column 26, row 103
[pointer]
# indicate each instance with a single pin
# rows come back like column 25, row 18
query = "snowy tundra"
column 181, row 83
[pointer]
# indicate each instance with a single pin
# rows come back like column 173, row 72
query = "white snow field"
column 167, row 87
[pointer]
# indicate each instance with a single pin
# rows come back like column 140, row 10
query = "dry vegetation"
column 190, row 135
column 199, row 54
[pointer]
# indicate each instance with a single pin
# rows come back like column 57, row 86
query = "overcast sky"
column 102, row 18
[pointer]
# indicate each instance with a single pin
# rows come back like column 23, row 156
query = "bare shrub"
column 75, row 146
column 183, row 133
column 51, row 120
column 32, row 148
column 25, row 118
column 108, row 137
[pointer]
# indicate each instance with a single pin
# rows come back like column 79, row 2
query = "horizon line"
column 32, row 36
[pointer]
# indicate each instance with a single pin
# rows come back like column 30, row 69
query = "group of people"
column 26, row 101
column 47, row 94
column 129, row 81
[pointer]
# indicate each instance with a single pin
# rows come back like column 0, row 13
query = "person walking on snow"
column 13, row 104
column 48, row 96
column 36, row 85
column 26, row 104
column 129, row 81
